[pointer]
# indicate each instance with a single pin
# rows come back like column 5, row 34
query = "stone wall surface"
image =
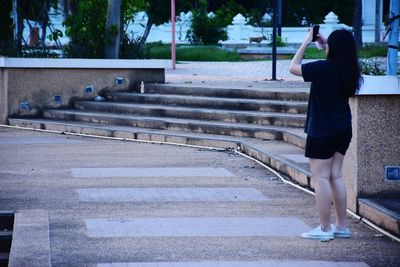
column 38, row 86
column 375, row 144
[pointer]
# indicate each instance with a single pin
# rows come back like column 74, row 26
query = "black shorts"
column 325, row 147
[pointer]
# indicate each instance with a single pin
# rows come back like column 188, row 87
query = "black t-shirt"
column 328, row 110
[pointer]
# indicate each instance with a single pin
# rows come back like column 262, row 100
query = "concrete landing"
column 211, row 231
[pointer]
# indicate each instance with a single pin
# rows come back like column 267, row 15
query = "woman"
column 328, row 125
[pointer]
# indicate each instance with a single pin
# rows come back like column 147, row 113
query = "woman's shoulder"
column 325, row 65
column 318, row 63
column 315, row 66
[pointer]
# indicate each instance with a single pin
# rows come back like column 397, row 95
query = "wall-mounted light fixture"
column 57, row 99
column 392, row 173
column 119, row 80
column 89, row 90
column 25, row 105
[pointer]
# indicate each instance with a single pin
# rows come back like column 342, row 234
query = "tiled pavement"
column 238, row 264
column 192, row 227
column 170, row 194
column 113, row 203
column 227, row 72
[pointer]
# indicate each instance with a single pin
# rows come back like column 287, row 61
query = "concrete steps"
column 294, row 136
column 266, row 124
column 291, row 92
column 266, row 121
column 234, row 116
column 383, row 212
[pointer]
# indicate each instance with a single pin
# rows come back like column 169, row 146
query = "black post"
column 280, row 18
column 274, row 21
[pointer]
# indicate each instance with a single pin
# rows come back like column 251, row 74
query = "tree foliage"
column 34, row 12
column 6, row 30
column 315, row 11
column 85, row 28
column 206, row 30
column 86, row 19
column 226, row 12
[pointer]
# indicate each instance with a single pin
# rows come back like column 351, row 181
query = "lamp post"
column 173, row 44
column 280, row 18
column 393, row 44
column 274, row 26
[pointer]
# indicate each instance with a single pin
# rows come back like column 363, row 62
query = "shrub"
column 373, row 66
column 369, row 51
column 131, row 47
column 280, row 42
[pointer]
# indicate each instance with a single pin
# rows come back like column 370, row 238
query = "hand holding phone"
column 315, row 33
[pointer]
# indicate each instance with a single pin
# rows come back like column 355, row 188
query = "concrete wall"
column 39, row 85
column 375, row 144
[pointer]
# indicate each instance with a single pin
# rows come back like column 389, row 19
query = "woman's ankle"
column 326, row 228
column 341, row 225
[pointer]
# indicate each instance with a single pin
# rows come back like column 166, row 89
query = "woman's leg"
column 321, row 171
column 339, row 194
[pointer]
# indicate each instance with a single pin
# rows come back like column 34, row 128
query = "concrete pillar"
column 238, row 23
column 331, row 22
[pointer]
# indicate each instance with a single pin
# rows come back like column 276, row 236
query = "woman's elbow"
column 295, row 70
column 291, row 69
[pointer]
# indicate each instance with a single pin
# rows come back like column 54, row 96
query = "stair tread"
column 283, row 151
column 196, row 109
column 221, row 99
column 6, row 234
column 295, row 89
column 133, row 129
column 389, row 206
column 295, row 131
column 252, row 91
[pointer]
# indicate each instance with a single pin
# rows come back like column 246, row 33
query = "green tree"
column 205, row 30
column 226, row 12
column 85, row 27
column 26, row 11
column 315, row 11
column 159, row 12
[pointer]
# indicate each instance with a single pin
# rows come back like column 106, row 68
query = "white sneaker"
column 318, row 234
column 344, row 233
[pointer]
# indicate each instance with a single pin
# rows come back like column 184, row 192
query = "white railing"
column 239, row 32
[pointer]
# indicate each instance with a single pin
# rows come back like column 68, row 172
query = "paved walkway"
column 93, row 202
column 250, row 71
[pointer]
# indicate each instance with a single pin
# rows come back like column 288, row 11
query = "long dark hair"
column 343, row 52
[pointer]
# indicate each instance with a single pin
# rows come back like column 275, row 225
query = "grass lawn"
column 216, row 53
column 191, row 53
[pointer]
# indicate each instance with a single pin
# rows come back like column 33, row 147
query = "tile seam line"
column 234, row 150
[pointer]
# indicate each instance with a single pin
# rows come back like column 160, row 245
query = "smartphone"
column 315, row 32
